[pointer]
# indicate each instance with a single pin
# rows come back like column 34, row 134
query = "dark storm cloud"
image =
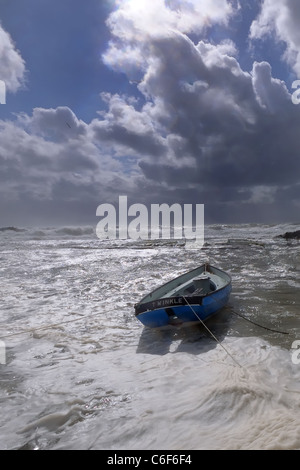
column 199, row 128
column 37, row 171
column 231, row 135
column 123, row 126
column 239, row 128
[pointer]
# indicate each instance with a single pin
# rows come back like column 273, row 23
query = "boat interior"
column 199, row 282
column 200, row 285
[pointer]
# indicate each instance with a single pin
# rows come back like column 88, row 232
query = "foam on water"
column 193, row 396
column 96, row 379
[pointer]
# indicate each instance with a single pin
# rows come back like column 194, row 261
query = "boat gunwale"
column 169, row 301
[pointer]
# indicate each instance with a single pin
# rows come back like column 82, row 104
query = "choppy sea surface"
column 81, row 372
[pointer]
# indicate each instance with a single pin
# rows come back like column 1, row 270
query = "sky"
column 163, row 101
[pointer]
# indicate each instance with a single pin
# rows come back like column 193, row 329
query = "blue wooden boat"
column 192, row 297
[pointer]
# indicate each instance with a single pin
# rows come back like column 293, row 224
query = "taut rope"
column 211, row 333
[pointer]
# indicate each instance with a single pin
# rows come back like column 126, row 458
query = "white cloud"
column 271, row 93
column 135, row 19
column 220, row 130
column 58, row 124
column 281, row 18
column 136, row 24
column 38, row 164
column 202, row 130
column 12, row 65
column 126, row 130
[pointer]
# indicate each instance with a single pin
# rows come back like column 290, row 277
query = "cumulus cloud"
column 136, row 18
column 207, row 113
column 280, row 18
column 224, row 133
column 199, row 128
column 12, row 65
column 126, row 129
column 136, row 23
column 49, row 168
column 58, row 124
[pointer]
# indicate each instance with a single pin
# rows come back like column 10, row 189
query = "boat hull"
column 173, row 310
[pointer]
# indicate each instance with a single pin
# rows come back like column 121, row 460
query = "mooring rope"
column 211, row 333
column 257, row 324
column 45, row 327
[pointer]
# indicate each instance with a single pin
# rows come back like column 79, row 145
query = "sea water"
column 81, row 372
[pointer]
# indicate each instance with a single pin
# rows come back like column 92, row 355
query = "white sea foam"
column 95, row 378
